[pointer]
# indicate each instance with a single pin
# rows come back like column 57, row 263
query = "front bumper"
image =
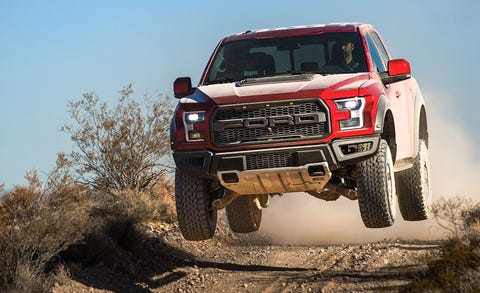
column 273, row 170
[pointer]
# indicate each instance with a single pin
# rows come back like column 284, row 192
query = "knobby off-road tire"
column 196, row 219
column 413, row 187
column 244, row 214
column 376, row 189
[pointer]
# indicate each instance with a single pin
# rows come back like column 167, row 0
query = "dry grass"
column 164, row 198
column 61, row 276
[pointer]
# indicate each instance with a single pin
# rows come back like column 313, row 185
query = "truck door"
column 396, row 94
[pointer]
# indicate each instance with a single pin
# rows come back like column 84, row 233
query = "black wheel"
column 413, row 187
column 244, row 214
column 376, row 189
column 196, row 218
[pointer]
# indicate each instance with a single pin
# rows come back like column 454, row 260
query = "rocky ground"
column 251, row 263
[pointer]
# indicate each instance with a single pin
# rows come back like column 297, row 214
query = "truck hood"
column 306, row 85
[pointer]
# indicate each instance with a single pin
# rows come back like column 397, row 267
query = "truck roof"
column 295, row 31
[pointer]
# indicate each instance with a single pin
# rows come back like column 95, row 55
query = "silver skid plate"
column 278, row 180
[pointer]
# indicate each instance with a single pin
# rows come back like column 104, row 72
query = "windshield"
column 327, row 53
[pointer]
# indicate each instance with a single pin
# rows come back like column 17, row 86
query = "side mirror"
column 398, row 70
column 182, row 87
column 398, row 67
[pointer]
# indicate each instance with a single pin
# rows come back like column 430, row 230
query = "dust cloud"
column 300, row 219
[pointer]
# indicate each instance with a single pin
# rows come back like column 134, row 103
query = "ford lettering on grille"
column 246, row 124
column 309, row 118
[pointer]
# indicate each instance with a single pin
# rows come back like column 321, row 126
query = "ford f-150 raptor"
column 320, row 109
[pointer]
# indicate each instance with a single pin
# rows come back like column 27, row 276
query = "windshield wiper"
column 300, row 72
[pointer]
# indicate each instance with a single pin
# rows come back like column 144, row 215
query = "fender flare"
column 382, row 108
column 172, row 133
column 419, row 104
column 379, row 128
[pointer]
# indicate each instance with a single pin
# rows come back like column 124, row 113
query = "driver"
column 342, row 55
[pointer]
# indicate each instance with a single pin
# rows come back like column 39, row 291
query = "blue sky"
column 52, row 52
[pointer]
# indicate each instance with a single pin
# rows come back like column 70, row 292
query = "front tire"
column 413, row 185
column 376, row 188
column 244, row 214
column 196, row 218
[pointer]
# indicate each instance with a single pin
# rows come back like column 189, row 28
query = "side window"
column 378, row 61
column 218, row 66
column 381, row 48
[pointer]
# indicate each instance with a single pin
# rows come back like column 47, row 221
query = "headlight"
column 355, row 106
column 193, row 117
column 190, row 121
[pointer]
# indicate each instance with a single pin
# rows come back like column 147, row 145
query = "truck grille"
column 270, row 160
column 269, row 122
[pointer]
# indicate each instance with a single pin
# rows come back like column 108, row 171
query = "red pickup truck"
column 321, row 109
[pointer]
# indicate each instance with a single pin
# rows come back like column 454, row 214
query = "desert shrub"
column 34, row 229
column 452, row 213
column 121, row 210
column 458, row 267
column 118, row 216
column 113, row 216
column 121, row 148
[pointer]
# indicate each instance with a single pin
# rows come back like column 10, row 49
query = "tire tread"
column 193, row 207
column 412, row 194
column 243, row 215
column 375, row 209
